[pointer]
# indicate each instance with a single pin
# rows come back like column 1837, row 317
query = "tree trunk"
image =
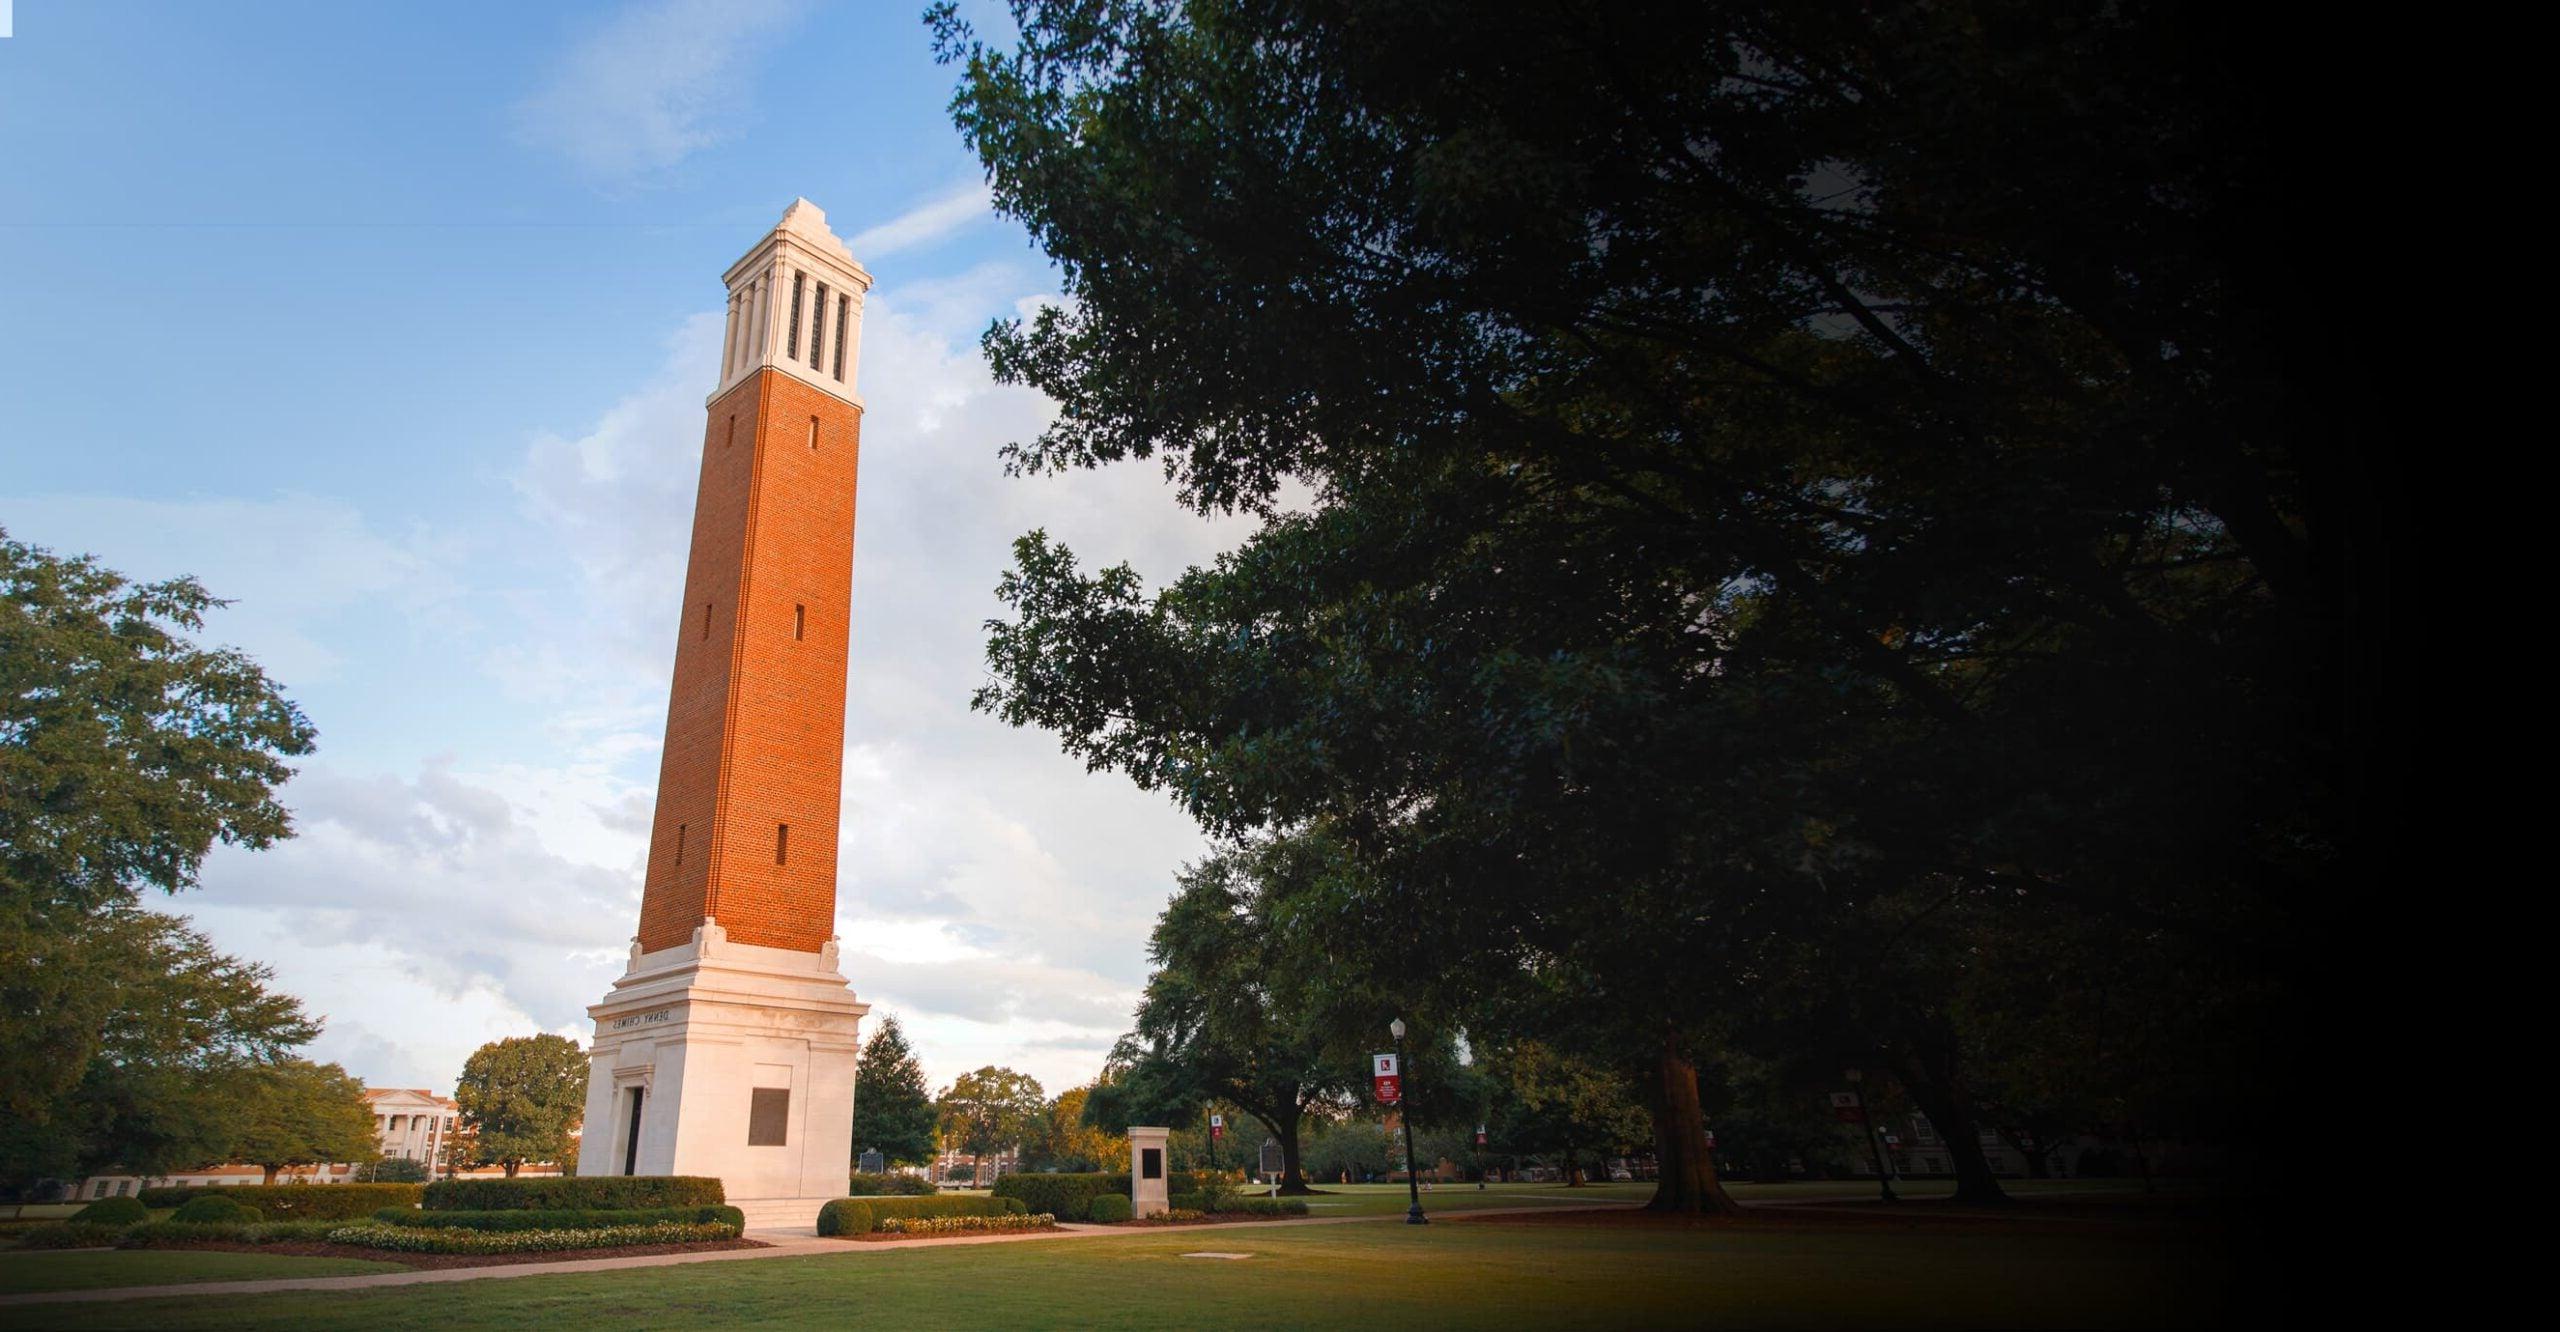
column 1942, row 1098
column 513, row 1167
column 1687, row 1180
column 271, row 1173
column 1293, row 1177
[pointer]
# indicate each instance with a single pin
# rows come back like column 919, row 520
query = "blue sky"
column 394, row 323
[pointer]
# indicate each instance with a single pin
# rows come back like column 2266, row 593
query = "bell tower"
column 727, row 1048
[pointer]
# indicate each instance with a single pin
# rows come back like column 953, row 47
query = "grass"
column 1390, row 1199
column 88, row 1269
column 1485, row 1273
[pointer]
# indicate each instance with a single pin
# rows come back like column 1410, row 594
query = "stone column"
column 1148, row 1167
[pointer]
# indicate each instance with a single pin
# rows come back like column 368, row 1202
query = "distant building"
column 413, row 1125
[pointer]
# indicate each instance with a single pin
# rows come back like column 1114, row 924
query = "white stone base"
column 695, row 1031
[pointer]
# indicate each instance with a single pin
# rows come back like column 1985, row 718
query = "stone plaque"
column 769, row 1117
column 1152, row 1163
column 873, row 1162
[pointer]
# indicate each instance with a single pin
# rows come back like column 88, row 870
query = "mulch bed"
column 435, row 1261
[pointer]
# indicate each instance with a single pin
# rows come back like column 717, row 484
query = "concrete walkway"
column 784, row 1244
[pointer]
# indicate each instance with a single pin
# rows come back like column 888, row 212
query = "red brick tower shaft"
column 753, row 771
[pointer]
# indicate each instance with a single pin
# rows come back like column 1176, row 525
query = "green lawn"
column 1389, row 1199
column 1461, row 1274
column 91, row 1270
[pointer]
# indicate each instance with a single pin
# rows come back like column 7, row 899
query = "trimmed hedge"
column 293, row 1202
column 213, row 1207
column 1109, row 1207
column 889, row 1186
column 1070, row 1197
column 114, row 1212
column 574, row 1193
column 441, row 1239
column 560, row 1219
column 72, row 1235
column 180, row 1234
column 861, row 1216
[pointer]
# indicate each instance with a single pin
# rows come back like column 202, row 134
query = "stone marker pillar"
column 1147, row 1158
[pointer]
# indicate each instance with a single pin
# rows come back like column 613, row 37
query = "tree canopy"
column 127, row 752
column 522, row 1098
column 1774, row 477
column 989, row 1111
column 893, row 1110
column 297, row 1113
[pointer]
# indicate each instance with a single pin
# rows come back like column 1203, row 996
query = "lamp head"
column 1396, row 1028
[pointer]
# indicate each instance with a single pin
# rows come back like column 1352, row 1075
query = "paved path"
column 783, row 1244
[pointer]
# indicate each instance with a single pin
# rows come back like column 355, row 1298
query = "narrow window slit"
column 792, row 347
column 799, row 622
column 818, row 330
column 781, row 843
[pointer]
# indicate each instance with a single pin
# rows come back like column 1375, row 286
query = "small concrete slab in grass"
column 1213, row 1253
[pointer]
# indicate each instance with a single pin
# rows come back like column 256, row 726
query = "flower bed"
column 965, row 1225
column 407, row 1239
column 862, row 1216
column 549, row 1219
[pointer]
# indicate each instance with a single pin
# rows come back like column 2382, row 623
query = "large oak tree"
column 1743, row 482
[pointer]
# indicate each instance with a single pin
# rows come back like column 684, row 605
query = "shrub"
column 293, row 1202
column 448, row 1239
column 861, row 1216
column 890, row 1186
column 175, row 1234
column 1109, row 1207
column 113, row 1212
column 574, row 1193
column 214, row 1207
column 71, row 1235
column 965, row 1225
column 560, row 1219
column 1070, row 1196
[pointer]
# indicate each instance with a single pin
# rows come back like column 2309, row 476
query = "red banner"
column 1389, row 1088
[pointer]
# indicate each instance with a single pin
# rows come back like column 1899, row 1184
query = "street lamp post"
column 1868, row 1125
column 1412, row 1168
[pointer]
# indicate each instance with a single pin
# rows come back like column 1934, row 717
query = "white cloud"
column 655, row 84
column 925, row 223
